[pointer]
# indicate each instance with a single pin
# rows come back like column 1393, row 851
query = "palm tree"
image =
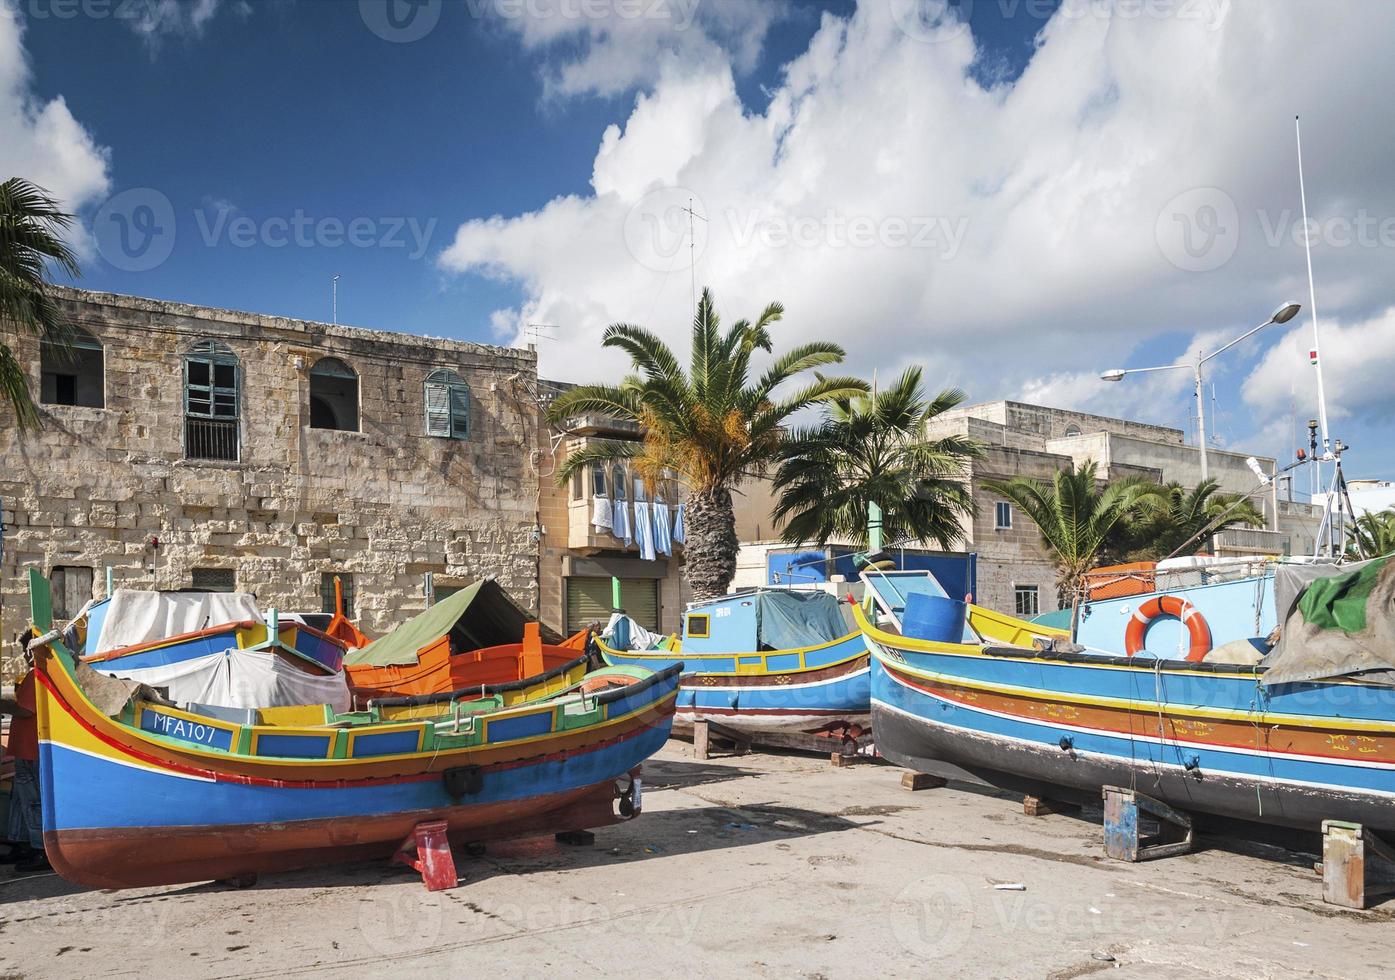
column 1373, row 535
column 711, row 426
column 1175, row 519
column 873, row 449
column 1075, row 516
column 30, row 227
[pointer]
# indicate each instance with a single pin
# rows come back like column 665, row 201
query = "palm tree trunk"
column 711, row 547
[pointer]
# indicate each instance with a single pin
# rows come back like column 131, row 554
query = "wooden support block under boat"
column 704, row 731
column 1037, row 806
column 1123, row 836
column 1357, row 866
column 921, row 780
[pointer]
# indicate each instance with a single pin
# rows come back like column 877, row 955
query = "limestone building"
column 1014, row 572
column 185, row 447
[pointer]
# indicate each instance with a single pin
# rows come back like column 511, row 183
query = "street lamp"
column 1283, row 314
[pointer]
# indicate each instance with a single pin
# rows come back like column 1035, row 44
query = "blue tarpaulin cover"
column 776, row 620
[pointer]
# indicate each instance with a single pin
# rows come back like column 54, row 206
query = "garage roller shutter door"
column 588, row 601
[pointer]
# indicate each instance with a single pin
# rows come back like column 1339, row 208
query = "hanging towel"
column 679, row 534
column 663, row 535
column 620, row 526
column 644, row 530
column 600, row 514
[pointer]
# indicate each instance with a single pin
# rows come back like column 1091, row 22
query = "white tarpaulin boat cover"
column 134, row 616
column 241, row 679
column 231, row 678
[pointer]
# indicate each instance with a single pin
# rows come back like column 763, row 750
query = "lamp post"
column 1283, row 314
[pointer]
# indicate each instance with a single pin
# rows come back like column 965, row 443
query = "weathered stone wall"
column 97, row 487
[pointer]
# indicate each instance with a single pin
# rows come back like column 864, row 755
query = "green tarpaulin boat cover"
column 1343, row 625
column 480, row 615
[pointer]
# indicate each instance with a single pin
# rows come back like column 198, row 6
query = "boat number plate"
column 185, row 729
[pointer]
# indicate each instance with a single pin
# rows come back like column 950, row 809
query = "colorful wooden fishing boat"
column 468, row 638
column 1206, row 737
column 147, row 794
column 773, row 660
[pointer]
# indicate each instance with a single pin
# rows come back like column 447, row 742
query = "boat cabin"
column 762, row 620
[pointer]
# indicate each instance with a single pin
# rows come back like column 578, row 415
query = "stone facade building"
column 187, row 447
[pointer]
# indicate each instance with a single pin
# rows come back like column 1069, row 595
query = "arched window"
column 71, row 373
column 212, row 402
column 1072, row 430
column 333, row 395
column 447, row 405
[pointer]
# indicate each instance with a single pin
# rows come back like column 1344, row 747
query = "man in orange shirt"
column 26, row 830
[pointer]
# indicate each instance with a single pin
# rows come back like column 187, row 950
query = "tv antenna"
column 536, row 332
column 692, row 248
column 334, row 300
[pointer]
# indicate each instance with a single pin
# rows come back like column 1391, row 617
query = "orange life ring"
column 1177, row 607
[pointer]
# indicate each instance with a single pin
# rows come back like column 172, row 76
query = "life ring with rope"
column 1178, row 608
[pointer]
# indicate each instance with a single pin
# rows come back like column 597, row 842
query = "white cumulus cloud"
column 1138, row 179
column 42, row 140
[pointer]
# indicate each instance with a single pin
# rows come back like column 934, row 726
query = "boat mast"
column 1324, row 544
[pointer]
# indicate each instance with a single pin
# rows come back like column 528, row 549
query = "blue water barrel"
column 934, row 617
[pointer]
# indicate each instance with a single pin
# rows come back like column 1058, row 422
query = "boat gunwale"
column 234, row 626
column 127, row 738
column 763, row 654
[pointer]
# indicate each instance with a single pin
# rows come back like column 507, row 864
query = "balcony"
column 212, row 439
column 1251, row 541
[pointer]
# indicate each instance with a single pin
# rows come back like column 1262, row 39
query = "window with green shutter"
column 447, row 405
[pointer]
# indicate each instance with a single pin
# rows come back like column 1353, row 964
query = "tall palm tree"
column 31, row 227
column 873, row 449
column 1373, row 535
column 1075, row 516
column 1176, row 519
column 711, row 426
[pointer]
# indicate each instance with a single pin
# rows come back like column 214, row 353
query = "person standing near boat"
column 26, row 828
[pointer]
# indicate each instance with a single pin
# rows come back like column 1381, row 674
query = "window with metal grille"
column 333, row 395
column 346, row 582
column 71, row 373
column 71, row 587
column 211, row 402
column 213, row 580
column 1027, row 601
column 1002, row 515
column 447, row 405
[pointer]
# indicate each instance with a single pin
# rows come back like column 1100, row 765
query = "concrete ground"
column 767, row 865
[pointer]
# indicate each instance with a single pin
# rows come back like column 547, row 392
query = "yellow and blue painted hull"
column 160, row 796
column 808, row 689
column 1202, row 737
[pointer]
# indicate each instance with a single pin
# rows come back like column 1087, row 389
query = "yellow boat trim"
column 883, row 638
column 747, row 664
column 67, row 730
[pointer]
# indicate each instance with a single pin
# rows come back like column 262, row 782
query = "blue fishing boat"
column 1293, row 740
column 138, row 791
column 766, row 660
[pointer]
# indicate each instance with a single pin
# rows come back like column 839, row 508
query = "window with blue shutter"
column 447, row 402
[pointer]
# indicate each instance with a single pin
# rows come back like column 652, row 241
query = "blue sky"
column 484, row 167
